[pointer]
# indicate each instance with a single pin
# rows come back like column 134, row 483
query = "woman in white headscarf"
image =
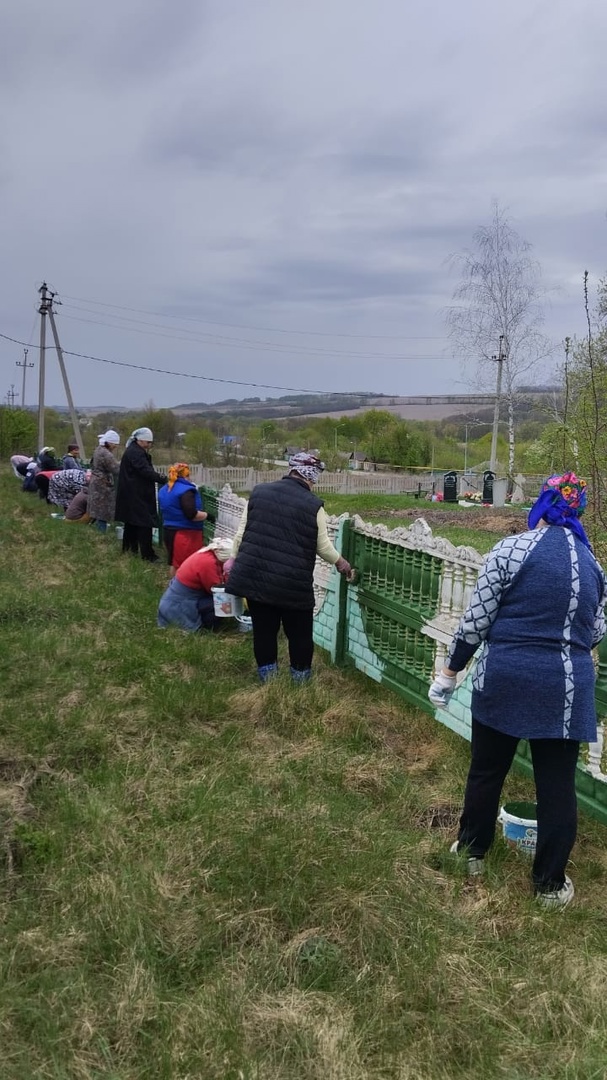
column 136, row 499
column 102, row 486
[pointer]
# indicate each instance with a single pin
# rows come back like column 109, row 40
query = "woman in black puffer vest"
column 283, row 530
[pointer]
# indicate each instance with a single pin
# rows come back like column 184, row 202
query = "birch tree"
column 499, row 295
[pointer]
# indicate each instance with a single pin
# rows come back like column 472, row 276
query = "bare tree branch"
column 498, row 294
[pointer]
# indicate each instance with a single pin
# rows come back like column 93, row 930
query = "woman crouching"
column 188, row 601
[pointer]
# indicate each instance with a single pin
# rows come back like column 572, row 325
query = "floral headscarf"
column 561, row 501
column 306, row 465
column 179, row 471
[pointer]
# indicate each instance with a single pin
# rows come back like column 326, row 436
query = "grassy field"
column 205, row 879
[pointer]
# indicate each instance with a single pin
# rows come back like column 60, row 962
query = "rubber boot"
column 301, row 676
column 267, row 672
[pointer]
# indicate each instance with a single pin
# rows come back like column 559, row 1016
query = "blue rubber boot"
column 301, row 676
column 267, row 672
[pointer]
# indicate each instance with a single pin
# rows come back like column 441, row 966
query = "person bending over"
column 188, row 601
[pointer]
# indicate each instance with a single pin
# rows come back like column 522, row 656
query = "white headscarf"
column 222, row 548
column 109, row 436
column 144, row 433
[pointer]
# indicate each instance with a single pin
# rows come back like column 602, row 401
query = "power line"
column 189, row 375
column 240, row 343
column 266, row 329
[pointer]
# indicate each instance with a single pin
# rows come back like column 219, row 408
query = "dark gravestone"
column 450, row 487
column 488, row 478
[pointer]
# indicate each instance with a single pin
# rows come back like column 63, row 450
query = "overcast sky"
column 281, row 182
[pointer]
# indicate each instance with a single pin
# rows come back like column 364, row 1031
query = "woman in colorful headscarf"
column 102, row 488
column 136, row 497
column 280, row 534
column 188, row 601
column 537, row 611
column 65, row 483
column 182, row 516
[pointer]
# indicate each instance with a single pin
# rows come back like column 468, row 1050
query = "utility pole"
column 24, row 364
column 43, row 310
column 46, row 308
column 10, row 397
column 499, row 359
column 68, row 392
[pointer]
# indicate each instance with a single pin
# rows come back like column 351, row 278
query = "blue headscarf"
column 561, row 501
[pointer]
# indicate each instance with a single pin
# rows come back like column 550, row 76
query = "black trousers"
column 137, row 539
column 42, row 483
column 297, row 625
column 554, row 763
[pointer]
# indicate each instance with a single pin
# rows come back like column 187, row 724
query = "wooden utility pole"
column 24, row 364
column 499, row 359
column 68, row 392
column 46, row 308
column 43, row 310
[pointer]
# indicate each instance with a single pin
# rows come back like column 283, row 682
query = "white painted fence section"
column 348, row 482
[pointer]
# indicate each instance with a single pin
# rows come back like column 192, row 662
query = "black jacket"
column 275, row 561
column 136, row 497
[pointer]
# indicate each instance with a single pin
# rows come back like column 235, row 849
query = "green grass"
column 378, row 504
column 204, row 879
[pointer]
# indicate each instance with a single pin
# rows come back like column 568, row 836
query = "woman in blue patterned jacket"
column 537, row 611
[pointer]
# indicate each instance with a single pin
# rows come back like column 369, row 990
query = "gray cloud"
column 303, row 167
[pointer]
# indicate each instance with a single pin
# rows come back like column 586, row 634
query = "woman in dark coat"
column 136, row 498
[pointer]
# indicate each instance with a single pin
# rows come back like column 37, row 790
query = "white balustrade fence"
column 350, row 481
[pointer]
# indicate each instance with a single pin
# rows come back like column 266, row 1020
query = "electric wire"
column 155, row 330
column 187, row 374
column 265, row 329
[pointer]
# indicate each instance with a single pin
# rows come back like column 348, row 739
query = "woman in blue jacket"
column 536, row 612
column 183, row 518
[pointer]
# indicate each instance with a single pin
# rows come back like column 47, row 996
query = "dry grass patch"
column 311, row 1027
column 370, row 776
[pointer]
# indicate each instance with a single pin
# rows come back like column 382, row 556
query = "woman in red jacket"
column 188, row 601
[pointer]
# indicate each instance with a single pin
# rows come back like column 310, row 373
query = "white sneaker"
column 559, row 898
column 475, row 867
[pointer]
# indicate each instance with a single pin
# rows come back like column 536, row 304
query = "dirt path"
column 486, row 519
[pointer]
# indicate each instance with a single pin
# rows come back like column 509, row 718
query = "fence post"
column 340, row 638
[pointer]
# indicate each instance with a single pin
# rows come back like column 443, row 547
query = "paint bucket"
column 119, row 532
column 225, row 605
column 519, row 824
column 245, row 623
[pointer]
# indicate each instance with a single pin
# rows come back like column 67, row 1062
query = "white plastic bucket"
column 119, row 532
column 519, row 826
column 225, row 605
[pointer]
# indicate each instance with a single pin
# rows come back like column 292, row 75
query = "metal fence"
column 396, row 621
